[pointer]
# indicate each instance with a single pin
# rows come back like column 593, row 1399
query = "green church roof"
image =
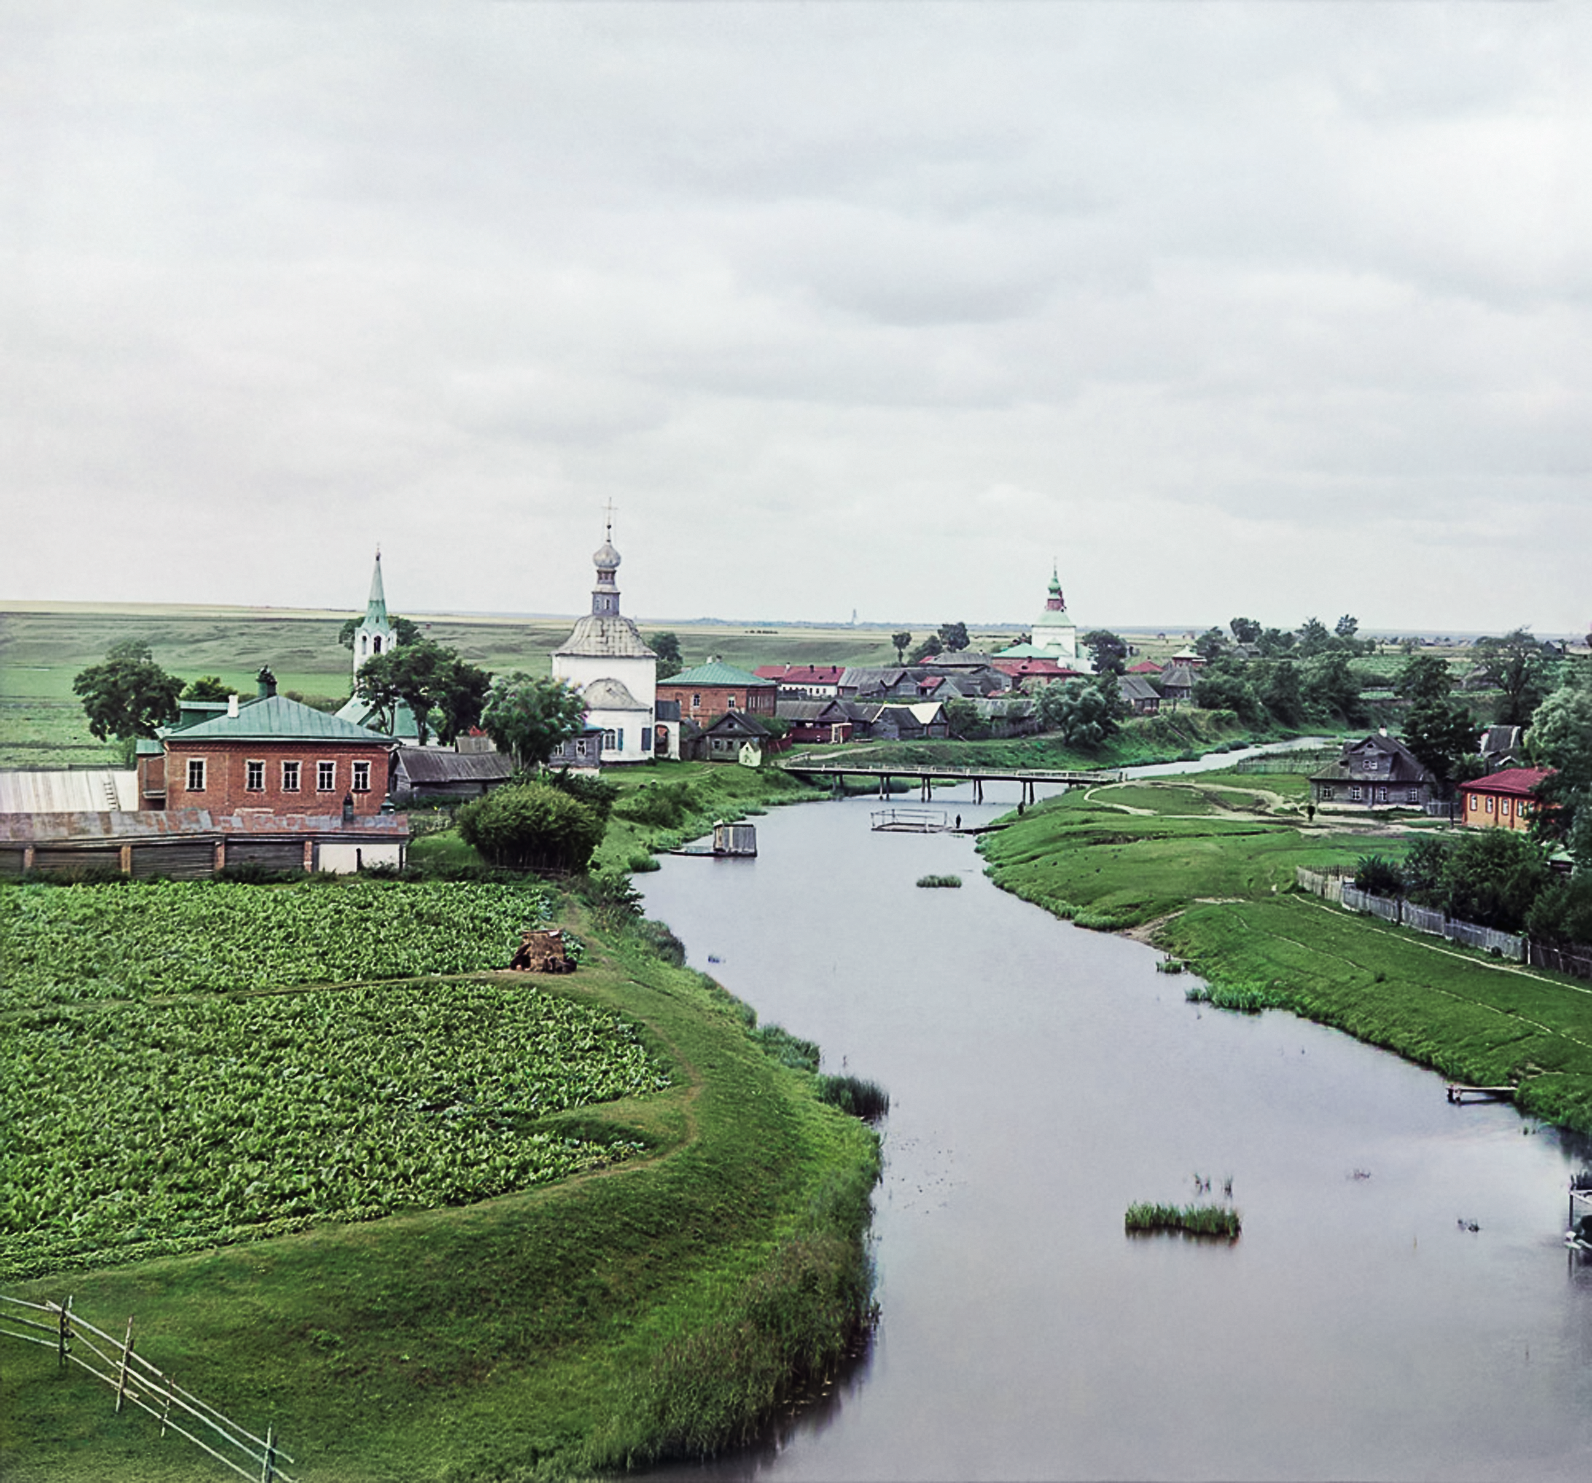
column 717, row 672
column 275, row 718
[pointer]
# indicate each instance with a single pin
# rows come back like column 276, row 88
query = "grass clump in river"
column 940, row 880
column 1193, row 1220
column 851, row 1094
column 1246, row 998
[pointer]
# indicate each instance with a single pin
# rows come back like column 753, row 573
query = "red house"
column 269, row 754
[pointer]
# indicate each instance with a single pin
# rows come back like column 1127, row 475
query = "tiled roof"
column 276, row 718
column 717, row 672
column 1515, row 781
column 1144, row 667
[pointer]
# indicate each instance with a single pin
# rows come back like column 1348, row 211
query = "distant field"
column 42, row 647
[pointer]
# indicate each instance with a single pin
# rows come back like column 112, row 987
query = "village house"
column 268, row 753
column 803, row 681
column 1379, row 772
column 438, row 775
column 1138, row 694
column 815, row 721
column 737, row 736
column 1502, row 800
column 714, row 689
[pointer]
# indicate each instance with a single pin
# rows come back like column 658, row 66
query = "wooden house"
column 1378, row 772
column 1502, row 800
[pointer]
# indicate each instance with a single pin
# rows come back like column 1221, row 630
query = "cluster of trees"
column 949, row 638
column 1492, row 877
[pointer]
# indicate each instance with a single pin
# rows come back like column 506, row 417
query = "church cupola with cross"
column 375, row 634
column 605, row 595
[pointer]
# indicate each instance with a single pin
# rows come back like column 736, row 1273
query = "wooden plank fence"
column 1402, row 913
column 117, row 1364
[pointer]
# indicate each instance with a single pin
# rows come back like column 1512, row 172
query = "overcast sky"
column 1266, row 309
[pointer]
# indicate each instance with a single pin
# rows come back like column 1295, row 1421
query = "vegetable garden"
column 129, row 940
column 171, row 1121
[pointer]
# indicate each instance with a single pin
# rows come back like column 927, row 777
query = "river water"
column 1042, row 1079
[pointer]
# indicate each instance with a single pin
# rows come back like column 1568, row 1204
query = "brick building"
column 268, row 753
column 714, row 689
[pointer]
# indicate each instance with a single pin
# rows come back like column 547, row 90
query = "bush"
column 663, row 942
column 613, row 902
column 532, row 827
column 851, row 1094
column 661, row 805
column 1378, row 875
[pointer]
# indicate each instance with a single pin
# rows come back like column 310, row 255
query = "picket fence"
column 1402, row 913
column 115, row 1363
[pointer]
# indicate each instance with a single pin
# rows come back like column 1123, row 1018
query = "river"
column 1042, row 1079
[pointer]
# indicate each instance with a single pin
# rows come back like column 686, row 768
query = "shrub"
column 532, row 827
column 851, row 1094
column 789, row 1050
column 663, row 942
column 1378, row 875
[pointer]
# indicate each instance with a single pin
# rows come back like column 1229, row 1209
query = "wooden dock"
column 1463, row 1094
column 908, row 821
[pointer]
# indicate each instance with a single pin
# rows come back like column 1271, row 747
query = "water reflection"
column 1042, row 1078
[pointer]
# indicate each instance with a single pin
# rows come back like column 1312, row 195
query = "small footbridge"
column 927, row 774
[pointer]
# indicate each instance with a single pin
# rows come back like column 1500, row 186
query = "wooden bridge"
column 927, row 774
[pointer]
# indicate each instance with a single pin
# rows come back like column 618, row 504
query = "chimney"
column 265, row 682
column 1381, row 731
column 232, row 707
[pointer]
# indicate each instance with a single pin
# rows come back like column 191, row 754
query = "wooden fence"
column 1404, row 913
column 115, row 1363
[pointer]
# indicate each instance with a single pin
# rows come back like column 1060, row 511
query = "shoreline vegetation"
column 1192, row 1220
column 1202, row 867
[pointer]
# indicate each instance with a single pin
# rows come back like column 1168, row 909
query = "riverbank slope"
column 1204, row 868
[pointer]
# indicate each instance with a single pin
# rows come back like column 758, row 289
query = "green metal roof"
column 717, row 672
column 276, row 718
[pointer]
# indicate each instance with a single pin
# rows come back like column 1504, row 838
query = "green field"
column 1205, row 867
column 489, row 1323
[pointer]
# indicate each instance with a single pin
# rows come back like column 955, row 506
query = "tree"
column 458, row 699
column 1209, row 645
column 666, row 646
column 1221, row 689
column 1244, row 630
column 1561, row 738
column 953, row 636
column 1109, row 652
column 1314, row 638
column 1347, row 626
column 1425, row 677
column 1518, row 666
column 1440, row 734
column 1275, row 641
column 404, row 630
column 530, row 717
column 927, row 649
column 1493, row 876
column 129, row 695
column 964, row 721
column 1078, row 711
column 533, row 826
column 1280, row 691
column 207, row 687
column 1331, row 689
column 424, row 675
column 901, row 642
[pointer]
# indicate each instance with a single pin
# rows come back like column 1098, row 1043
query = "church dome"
column 605, row 558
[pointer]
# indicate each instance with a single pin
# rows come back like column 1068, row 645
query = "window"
column 290, row 777
column 362, row 777
column 1503, row 807
column 325, row 777
column 696, row 702
column 254, row 776
column 1475, row 802
column 1354, row 795
column 376, row 644
column 1414, row 795
column 1327, row 795
column 730, row 702
column 196, row 774
column 1381, row 794
column 1489, row 805
column 610, row 741
column 646, row 738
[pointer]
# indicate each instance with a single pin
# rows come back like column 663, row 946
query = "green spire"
column 376, row 608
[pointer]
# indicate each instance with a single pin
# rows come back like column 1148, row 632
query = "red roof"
column 1027, row 668
column 801, row 674
column 1515, row 781
column 1144, row 667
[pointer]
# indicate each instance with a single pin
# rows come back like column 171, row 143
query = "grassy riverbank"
column 653, row 1307
column 1205, row 868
